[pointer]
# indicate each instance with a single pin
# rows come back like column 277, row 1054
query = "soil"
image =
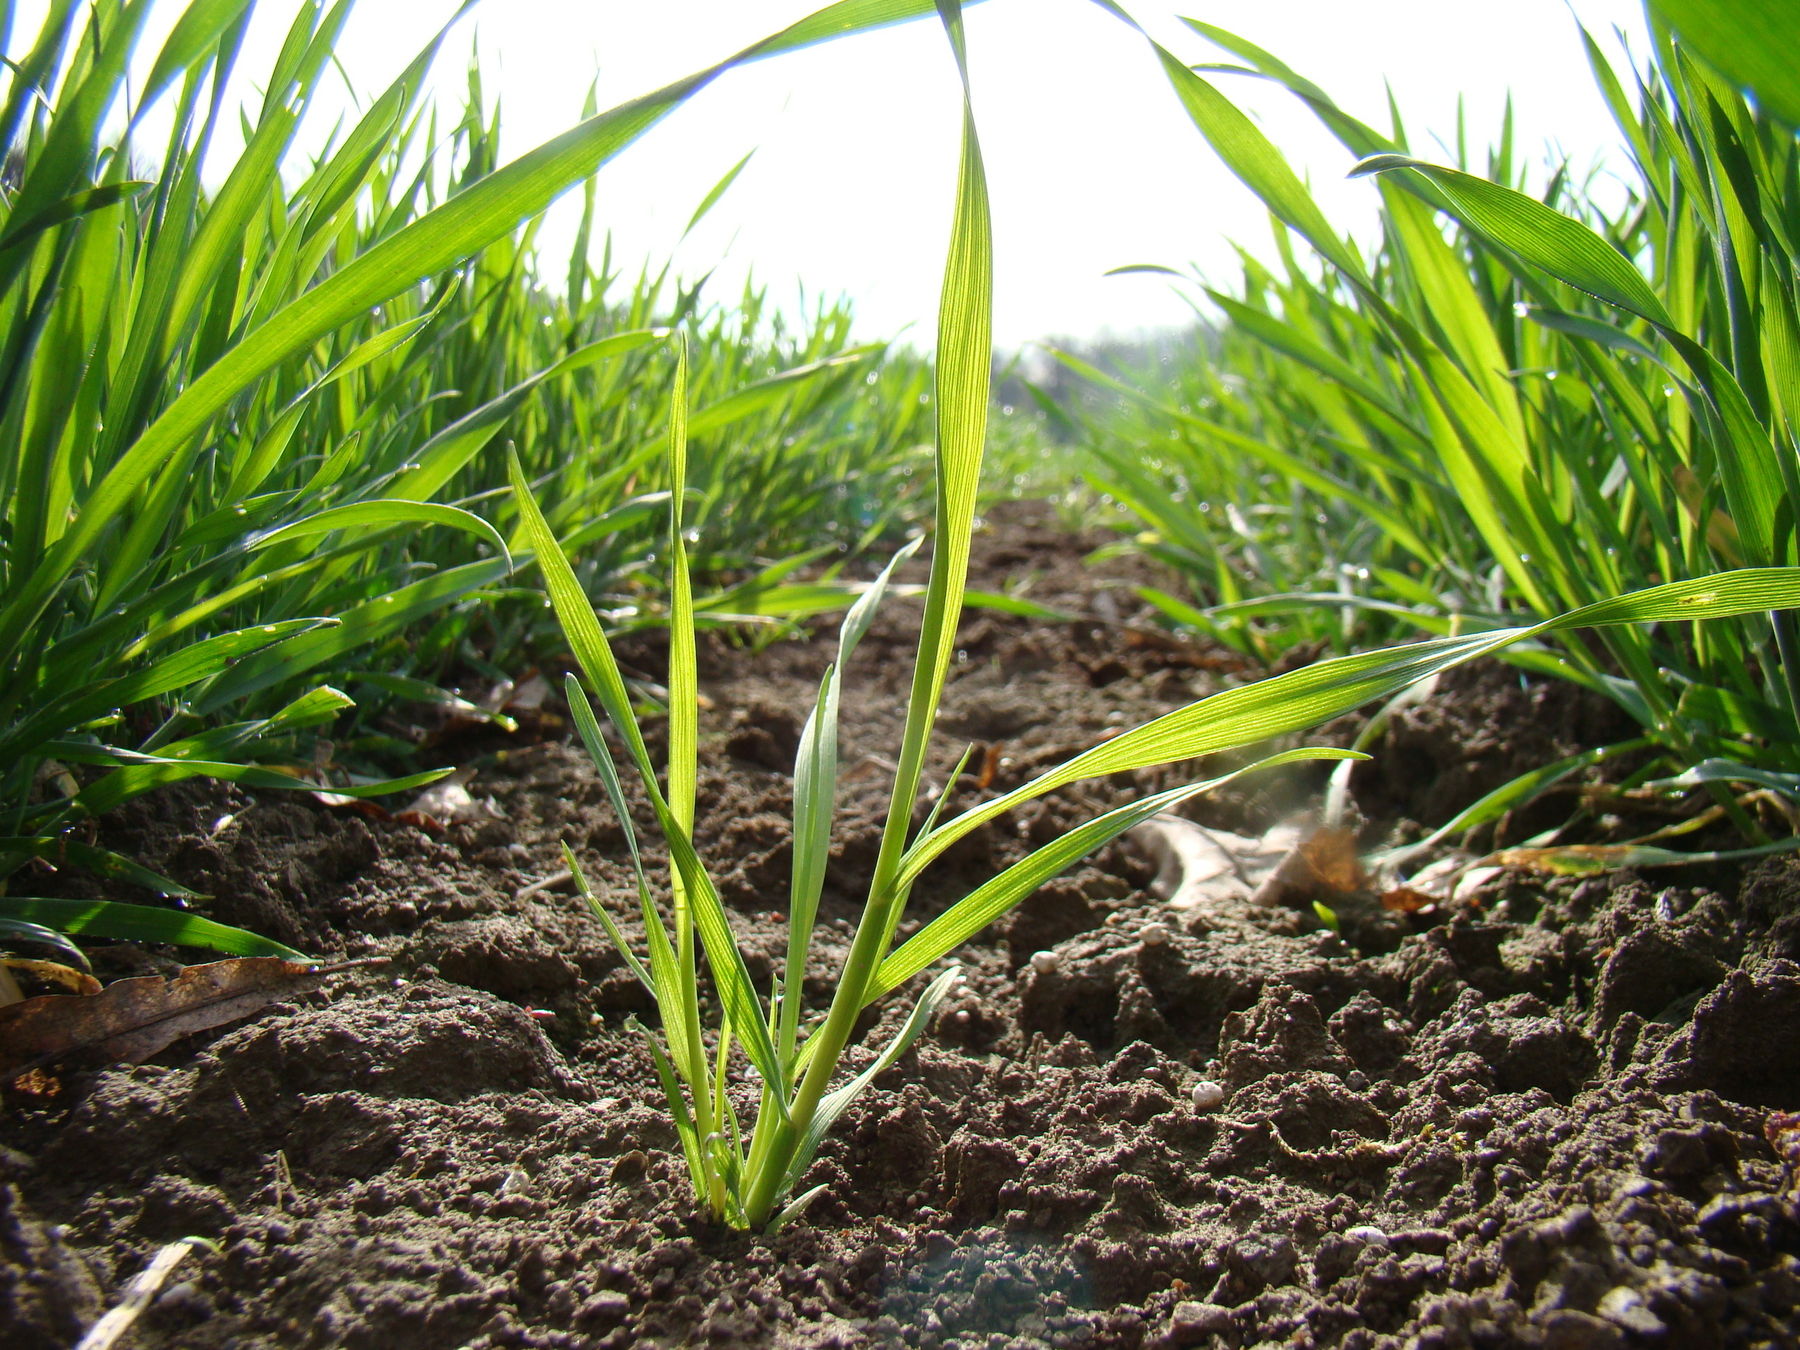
column 1548, row 1117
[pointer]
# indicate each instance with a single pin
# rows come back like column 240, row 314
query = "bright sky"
column 1092, row 164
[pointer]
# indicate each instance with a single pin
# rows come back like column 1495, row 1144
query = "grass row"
column 255, row 417
column 1517, row 404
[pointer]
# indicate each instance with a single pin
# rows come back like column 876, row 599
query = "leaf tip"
column 1383, row 163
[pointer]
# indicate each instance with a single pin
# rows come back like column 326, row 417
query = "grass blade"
column 142, row 923
column 1752, row 42
column 1308, row 696
column 994, row 897
column 1540, row 236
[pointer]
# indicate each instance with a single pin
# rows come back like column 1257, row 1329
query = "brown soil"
column 1537, row 1123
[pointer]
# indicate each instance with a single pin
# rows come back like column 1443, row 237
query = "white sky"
column 1092, row 164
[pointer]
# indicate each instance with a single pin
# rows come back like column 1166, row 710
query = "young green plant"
column 749, row 1180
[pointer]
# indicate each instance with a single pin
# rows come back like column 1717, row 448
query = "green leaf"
column 18, row 930
column 719, row 189
column 1730, row 771
column 835, row 1103
column 1570, row 251
column 996, row 896
column 1751, row 42
column 70, row 207
column 815, row 799
column 1254, row 160
column 61, row 849
column 382, row 514
column 1544, row 238
column 664, row 983
column 141, row 773
column 142, row 923
column 753, row 398
column 579, row 624
column 176, row 670
column 382, row 617
column 200, row 26
column 1326, row 689
column 446, row 453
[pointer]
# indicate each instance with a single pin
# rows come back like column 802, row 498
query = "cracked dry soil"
column 1545, row 1121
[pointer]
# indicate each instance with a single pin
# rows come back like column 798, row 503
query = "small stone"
column 608, row 1307
column 1367, row 1234
column 1210, row 1318
column 1154, row 935
column 1193, row 1323
column 1625, row 1307
column 1208, row 1095
column 1045, row 963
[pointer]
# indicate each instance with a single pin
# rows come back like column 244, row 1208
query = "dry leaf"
column 1323, row 867
column 499, row 696
column 55, row 776
column 131, row 1020
column 1575, row 859
column 1199, row 866
column 55, row 973
column 1405, row 900
column 447, row 802
column 528, row 696
column 361, row 805
column 35, row 1087
column 990, row 764
column 1331, row 857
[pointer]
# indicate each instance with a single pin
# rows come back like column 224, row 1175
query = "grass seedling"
column 748, row 1179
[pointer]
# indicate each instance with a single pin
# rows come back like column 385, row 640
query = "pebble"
column 1154, row 935
column 1367, row 1234
column 1197, row 1319
column 1626, row 1307
column 608, row 1307
column 1045, row 963
column 1208, row 1095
